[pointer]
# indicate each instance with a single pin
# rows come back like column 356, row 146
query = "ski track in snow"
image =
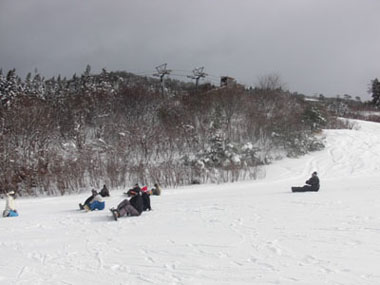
column 238, row 233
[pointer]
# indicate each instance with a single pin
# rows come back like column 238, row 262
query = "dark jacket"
column 137, row 203
column 133, row 191
column 105, row 192
column 146, row 201
column 89, row 199
column 136, row 189
column 314, row 183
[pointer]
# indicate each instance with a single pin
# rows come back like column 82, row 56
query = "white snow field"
column 254, row 232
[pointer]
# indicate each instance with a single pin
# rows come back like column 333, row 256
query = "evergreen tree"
column 38, row 85
column 86, row 81
column 61, row 88
column 10, row 87
column 217, row 148
column 375, row 91
column 28, row 86
column 2, row 85
column 103, row 83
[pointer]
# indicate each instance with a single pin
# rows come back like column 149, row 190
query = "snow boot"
column 115, row 214
column 81, row 206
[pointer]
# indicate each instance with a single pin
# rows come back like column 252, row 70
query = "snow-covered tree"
column 38, row 85
column 10, row 87
column 2, row 85
column 375, row 92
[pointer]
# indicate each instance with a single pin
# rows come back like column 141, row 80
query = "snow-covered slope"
column 242, row 233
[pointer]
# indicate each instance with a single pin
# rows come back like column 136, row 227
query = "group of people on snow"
column 139, row 199
column 95, row 201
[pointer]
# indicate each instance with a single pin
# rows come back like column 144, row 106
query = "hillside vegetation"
column 63, row 135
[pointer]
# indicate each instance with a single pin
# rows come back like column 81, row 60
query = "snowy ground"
column 241, row 233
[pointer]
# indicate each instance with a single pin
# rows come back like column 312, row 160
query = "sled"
column 295, row 189
column 303, row 189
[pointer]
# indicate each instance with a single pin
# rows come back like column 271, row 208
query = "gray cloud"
column 317, row 46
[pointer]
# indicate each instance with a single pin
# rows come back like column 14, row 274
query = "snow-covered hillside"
column 242, row 233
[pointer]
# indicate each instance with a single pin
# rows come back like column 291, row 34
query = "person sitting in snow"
column 156, row 190
column 93, row 202
column 311, row 185
column 145, row 194
column 144, row 189
column 10, row 209
column 136, row 188
column 96, row 203
column 88, row 200
column 132, row 207
column 146, row 201
column 104, row 192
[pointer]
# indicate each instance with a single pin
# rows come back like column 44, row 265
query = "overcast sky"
column 316, row 46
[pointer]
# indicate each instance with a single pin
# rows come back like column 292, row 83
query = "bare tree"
column 270, row 82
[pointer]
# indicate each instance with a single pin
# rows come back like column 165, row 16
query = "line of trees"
column 63, row 135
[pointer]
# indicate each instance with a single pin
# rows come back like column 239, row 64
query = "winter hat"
column 94, row 191
column 11, row 193
column 314, row 173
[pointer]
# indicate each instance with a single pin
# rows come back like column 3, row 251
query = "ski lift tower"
column 161, row 72
column 197, row 74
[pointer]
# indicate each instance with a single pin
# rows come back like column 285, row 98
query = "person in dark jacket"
column 132, row 207
column 136, row 188
column 146, row 201
column 311, row 185
column 104, row 192
column 88, row 200
column 145, row 194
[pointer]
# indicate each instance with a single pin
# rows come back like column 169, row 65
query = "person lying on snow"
column 132, row 207
column 93, row 202
column 311, row 185
column 10, row 210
